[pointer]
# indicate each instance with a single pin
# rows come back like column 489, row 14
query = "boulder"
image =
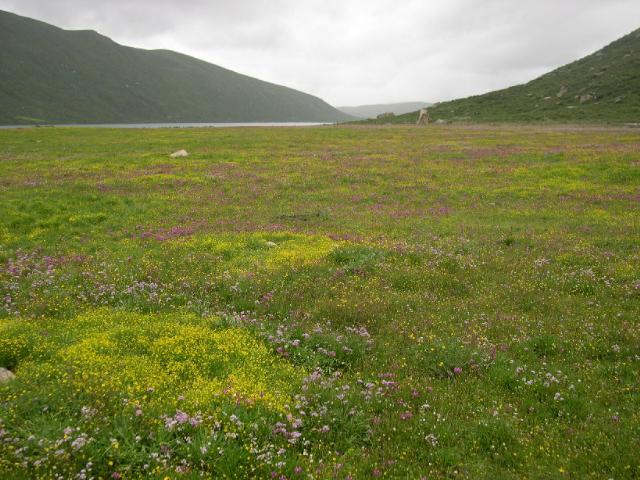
column 562, row 92
column 587, row 97
column 180, row 154
column 386, row 115
column 423, row 118
column 6, row 375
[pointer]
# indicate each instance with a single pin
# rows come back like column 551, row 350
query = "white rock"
column 180, row 154
column 272, row 244
column 6, row 375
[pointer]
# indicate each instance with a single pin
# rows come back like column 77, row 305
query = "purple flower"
column 457, row 370
column 406, row 415
column 181, row 417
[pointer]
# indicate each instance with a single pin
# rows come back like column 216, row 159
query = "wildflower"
column 457, row 370
column 294, row 436
column 181, row 417
column 87, row 412
column 79, row 442
column 432, row 440
column 406, row 415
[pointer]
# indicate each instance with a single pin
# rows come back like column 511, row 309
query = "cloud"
column 360, row 51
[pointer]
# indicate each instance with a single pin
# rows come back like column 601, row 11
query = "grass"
column 333, row 302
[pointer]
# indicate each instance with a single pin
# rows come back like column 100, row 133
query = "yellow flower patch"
column 255, row 251
column 106, row 352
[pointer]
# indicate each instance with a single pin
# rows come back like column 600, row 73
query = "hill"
column 372, row 111
column 601, row 88
column 50, row 75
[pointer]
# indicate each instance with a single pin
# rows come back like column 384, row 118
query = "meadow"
column 328, row 302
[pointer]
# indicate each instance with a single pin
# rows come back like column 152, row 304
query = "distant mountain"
column 601, row 88
column 372, row 111
column 50, row 75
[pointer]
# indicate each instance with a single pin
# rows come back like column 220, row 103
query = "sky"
column 353, row 52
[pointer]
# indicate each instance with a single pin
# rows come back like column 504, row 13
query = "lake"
column 176, row 125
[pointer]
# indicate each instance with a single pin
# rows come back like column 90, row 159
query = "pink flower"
column 406, row 415
column 457, row 370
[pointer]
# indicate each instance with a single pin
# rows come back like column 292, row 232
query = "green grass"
column 396, row 302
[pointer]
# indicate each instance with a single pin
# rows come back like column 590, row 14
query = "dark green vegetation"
column 49, row 75
column 601, row 88
column 336, row 302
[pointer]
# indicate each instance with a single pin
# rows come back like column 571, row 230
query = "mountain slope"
column 372, row 111
column 600, row 88
column 57, row 76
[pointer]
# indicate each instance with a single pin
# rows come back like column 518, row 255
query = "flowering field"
column 332, row 302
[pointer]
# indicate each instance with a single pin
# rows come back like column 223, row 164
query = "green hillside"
column 50, row 75
column 601, row 88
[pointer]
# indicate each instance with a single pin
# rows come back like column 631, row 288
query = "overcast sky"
column 352, row 52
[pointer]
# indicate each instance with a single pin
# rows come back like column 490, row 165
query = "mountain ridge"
column 373, row 110
column 51, row 75
column 603, row 87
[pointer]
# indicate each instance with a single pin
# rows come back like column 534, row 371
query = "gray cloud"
column 360, row 51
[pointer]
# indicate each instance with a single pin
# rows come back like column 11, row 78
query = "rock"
column 180, row 154
column 618, row 100
column 6, row 375
column 587, row 97
column 440, row 121
column 423, row 118
column 386, row 115
column 562, row 92
column 272, row 244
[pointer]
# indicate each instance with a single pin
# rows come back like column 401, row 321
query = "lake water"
column 176, row 125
